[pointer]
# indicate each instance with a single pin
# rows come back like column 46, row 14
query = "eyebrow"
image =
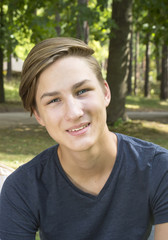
column 54, row 93
column 79, row 84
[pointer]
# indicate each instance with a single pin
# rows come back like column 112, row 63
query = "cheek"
column 95, row 107
column 54, row 120
column 99, row 101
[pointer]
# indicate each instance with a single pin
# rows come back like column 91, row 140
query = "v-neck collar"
column 83, row 193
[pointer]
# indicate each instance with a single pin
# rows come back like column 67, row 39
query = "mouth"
column 79, row 128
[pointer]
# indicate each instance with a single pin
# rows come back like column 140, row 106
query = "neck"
column 89, row 170
column 90, row 162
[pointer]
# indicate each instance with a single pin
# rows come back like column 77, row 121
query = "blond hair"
column 43, row 55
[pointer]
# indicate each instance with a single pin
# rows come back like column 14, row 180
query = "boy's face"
column 72, row 103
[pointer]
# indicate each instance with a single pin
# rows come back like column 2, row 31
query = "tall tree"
column 118, row 61
column 9, row 69
column 164, row 75
column 136, row 65
column 150, row 18
column 129, row 80
column 146, row 85
column 10, row 11
column 2, row 93
column 16, row 18
column 82, row 23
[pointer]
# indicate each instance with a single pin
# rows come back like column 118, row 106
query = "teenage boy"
column 93, row 185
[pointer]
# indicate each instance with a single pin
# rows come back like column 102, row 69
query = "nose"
column 73, row 109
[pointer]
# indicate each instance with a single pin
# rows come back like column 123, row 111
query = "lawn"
column 138, row 103
column 20, row 144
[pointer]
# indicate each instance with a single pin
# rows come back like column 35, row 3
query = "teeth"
column 77, row 129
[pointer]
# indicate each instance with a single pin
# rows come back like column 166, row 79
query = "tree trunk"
column 2, row 92
column 86, row 31
column 82, row 24
column 57, row 19
column 164, row 75
column 129, row 80
column 146, row 85
column 9, row 69
column 136, row 65
column 118, row 60
column 158, row 63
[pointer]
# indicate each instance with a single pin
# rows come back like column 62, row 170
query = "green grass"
column 37, row 236
column 12, row 99
column 20, row 144
column 146, row 104
column 12, row 90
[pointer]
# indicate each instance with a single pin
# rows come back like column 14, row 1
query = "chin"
column 83, row 146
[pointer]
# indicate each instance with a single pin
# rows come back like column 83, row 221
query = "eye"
column 54, row 100
column 81, row 91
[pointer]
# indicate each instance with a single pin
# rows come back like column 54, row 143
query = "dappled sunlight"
column 156, row 125
column 19, row 145
column 12, row 90
column 9, row 87
column 146, row 104
column 132, row 106
column 164, row 103
column 14, row 160
column 27, row 128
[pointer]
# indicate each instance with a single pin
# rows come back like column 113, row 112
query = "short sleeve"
column 159, row 190
column 17, row 218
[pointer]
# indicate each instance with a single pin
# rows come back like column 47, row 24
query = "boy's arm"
column 161, row 231
column 17, row 221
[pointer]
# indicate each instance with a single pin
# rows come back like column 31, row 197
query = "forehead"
column 68, row 66
column 65, row 72
column 70, row 63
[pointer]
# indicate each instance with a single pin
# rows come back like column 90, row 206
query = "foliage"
column 150, row 17
column 27, row 22
column 43, row 25
column 150, row 21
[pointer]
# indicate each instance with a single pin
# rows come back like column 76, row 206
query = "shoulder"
column 142, row 153
column 25, row 187
column 141, row 145
column 34, row 169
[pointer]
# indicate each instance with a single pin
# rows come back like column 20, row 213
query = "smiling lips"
column 78, row 130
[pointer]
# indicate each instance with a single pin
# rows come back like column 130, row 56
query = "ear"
column 38, row 118
column 107, row 94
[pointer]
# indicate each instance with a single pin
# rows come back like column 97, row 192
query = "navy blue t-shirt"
column 40, row 196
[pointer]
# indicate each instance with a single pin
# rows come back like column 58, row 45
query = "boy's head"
column 43, row 55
